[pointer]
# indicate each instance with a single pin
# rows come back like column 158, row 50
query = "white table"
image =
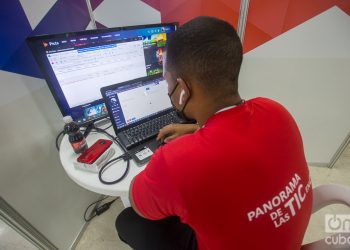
column 89, row 180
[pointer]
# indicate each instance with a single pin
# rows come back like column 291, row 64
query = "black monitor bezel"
column 33, row 39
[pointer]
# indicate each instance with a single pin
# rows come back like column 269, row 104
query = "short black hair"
column 209, row 50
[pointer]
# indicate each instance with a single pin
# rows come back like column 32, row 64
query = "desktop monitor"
column 77, row 65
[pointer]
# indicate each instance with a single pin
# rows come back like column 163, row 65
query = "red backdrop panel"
column 266, row 19
column 270, row 18
column 184, row 10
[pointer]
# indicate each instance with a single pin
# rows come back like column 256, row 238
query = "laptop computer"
column 138, row 109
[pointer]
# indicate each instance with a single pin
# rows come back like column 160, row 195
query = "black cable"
column 114, row 139
column 107, row 127
column 99, row 209
column 88, row 129
column 103, row 131
column 57, row 138
column 126, row 157
column 92, row 216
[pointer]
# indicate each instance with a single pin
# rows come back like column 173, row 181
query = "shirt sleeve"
column 154, row 192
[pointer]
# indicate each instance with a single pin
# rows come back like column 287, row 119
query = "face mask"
column 180, row 112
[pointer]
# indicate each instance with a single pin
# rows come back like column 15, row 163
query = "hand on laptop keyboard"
column 149, row 129
column 172, row 131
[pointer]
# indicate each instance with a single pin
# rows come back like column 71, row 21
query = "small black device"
column 138, row 110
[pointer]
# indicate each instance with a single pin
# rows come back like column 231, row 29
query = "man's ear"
column 185, row 92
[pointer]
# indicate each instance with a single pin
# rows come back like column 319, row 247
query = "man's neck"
column 213, row 106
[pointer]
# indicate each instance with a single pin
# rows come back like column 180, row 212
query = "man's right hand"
column 172, row 131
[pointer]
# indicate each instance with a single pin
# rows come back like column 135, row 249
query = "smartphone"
column 90, row 155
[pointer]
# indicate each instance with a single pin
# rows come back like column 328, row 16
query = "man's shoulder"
column 266, row 101
column 269, row 101
column 268, row 105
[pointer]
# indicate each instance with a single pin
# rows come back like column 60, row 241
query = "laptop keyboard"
column 149, row 129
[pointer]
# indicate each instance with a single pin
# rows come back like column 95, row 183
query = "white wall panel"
column 307, row 70
column 35, row 15
column 115, row 13
column 32, row 178
column 16, row 86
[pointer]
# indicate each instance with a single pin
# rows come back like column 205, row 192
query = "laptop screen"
column 136, row 101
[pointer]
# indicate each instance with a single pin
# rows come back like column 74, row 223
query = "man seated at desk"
column 238, row 179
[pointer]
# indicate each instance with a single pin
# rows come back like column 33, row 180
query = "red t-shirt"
column 240, row 182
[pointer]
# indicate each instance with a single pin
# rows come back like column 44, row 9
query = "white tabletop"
column 89, row 180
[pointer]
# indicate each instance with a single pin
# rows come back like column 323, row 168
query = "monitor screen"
column 76, row 65
column 137, row 101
